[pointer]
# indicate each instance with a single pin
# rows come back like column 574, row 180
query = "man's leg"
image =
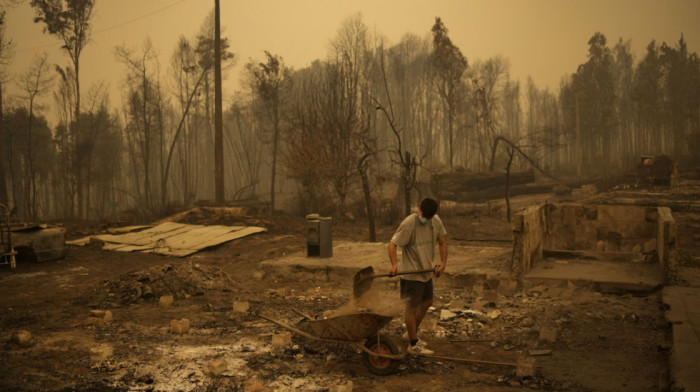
column 420, row 312
column 411, row 321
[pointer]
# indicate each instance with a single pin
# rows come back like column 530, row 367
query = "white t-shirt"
column 417, row 242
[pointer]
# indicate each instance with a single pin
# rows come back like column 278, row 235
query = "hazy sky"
column 545, row 39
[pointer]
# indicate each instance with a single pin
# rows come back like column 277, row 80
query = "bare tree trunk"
column 362, row 168
column 3, row 183
column 218, row 119
column 511, row 153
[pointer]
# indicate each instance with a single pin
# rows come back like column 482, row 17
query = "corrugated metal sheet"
column 170, row 238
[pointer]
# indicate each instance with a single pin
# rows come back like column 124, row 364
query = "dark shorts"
column 416, row 292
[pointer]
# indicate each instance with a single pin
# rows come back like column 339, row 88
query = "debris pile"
column 179, row 280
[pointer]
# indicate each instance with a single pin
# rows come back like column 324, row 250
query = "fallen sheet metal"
column 170, row 238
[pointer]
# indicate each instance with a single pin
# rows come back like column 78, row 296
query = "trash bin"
column 319, row 242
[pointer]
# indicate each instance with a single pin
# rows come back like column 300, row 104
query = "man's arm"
column 392, row 258
column 443, row 256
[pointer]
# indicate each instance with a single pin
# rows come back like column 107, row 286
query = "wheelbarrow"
column 380, row 353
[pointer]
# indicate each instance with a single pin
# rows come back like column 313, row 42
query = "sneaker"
column 419, row 350
column 422, row 343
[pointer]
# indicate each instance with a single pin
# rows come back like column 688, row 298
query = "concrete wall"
column 602, row 228
column 592, row 229
column 529, row 233
column 666, row 240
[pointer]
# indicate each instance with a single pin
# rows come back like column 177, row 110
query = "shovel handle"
column 403, row 273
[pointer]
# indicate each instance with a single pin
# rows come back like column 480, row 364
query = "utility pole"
column 218, row 116
column 579, row 152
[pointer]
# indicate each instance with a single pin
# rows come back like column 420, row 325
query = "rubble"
column 177, row 280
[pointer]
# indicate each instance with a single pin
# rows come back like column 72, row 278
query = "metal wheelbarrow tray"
column 381, row 354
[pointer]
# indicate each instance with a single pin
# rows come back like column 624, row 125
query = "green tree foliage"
column 69, row 20
column 683, row 86
column 648, row 100
column 592, row 92
column 270, row 83
column 448, row 65
column 17, row 158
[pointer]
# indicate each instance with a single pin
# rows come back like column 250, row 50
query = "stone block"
column 21, row 337
column 241, row 306
column 180, row 327
column 96, row 313
column 95, row 321
column 283, row 291
column 548, row 335
column 525, row 368
column 216, row 367
column 101, row 352
column 282, row 339
column 165, row 301
column 347, row 387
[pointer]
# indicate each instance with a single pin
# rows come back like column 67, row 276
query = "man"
column 417, row 236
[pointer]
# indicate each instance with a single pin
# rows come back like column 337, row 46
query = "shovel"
column 365, row 277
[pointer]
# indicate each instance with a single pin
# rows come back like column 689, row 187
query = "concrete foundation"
column 603, row 233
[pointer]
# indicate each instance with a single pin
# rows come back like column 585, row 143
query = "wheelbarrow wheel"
column 386, row 346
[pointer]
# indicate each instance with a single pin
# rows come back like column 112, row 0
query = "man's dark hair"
column 428, row 208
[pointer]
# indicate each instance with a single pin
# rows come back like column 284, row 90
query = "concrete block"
column 21, row 337
column 548, row 335
column 101, row 352
column 283, row 291
column 282, row 339
column 108, row 316
column 96, row 313
column 165, row 301
column 95, row 321
column 216, row 367
column 525, row 368
column 258, row 275
column 347, row 387
column 241, row 306
column 180, row 326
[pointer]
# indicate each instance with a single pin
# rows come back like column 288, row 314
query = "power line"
column 111, row 27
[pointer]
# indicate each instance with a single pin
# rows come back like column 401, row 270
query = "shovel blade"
column 362, row 282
